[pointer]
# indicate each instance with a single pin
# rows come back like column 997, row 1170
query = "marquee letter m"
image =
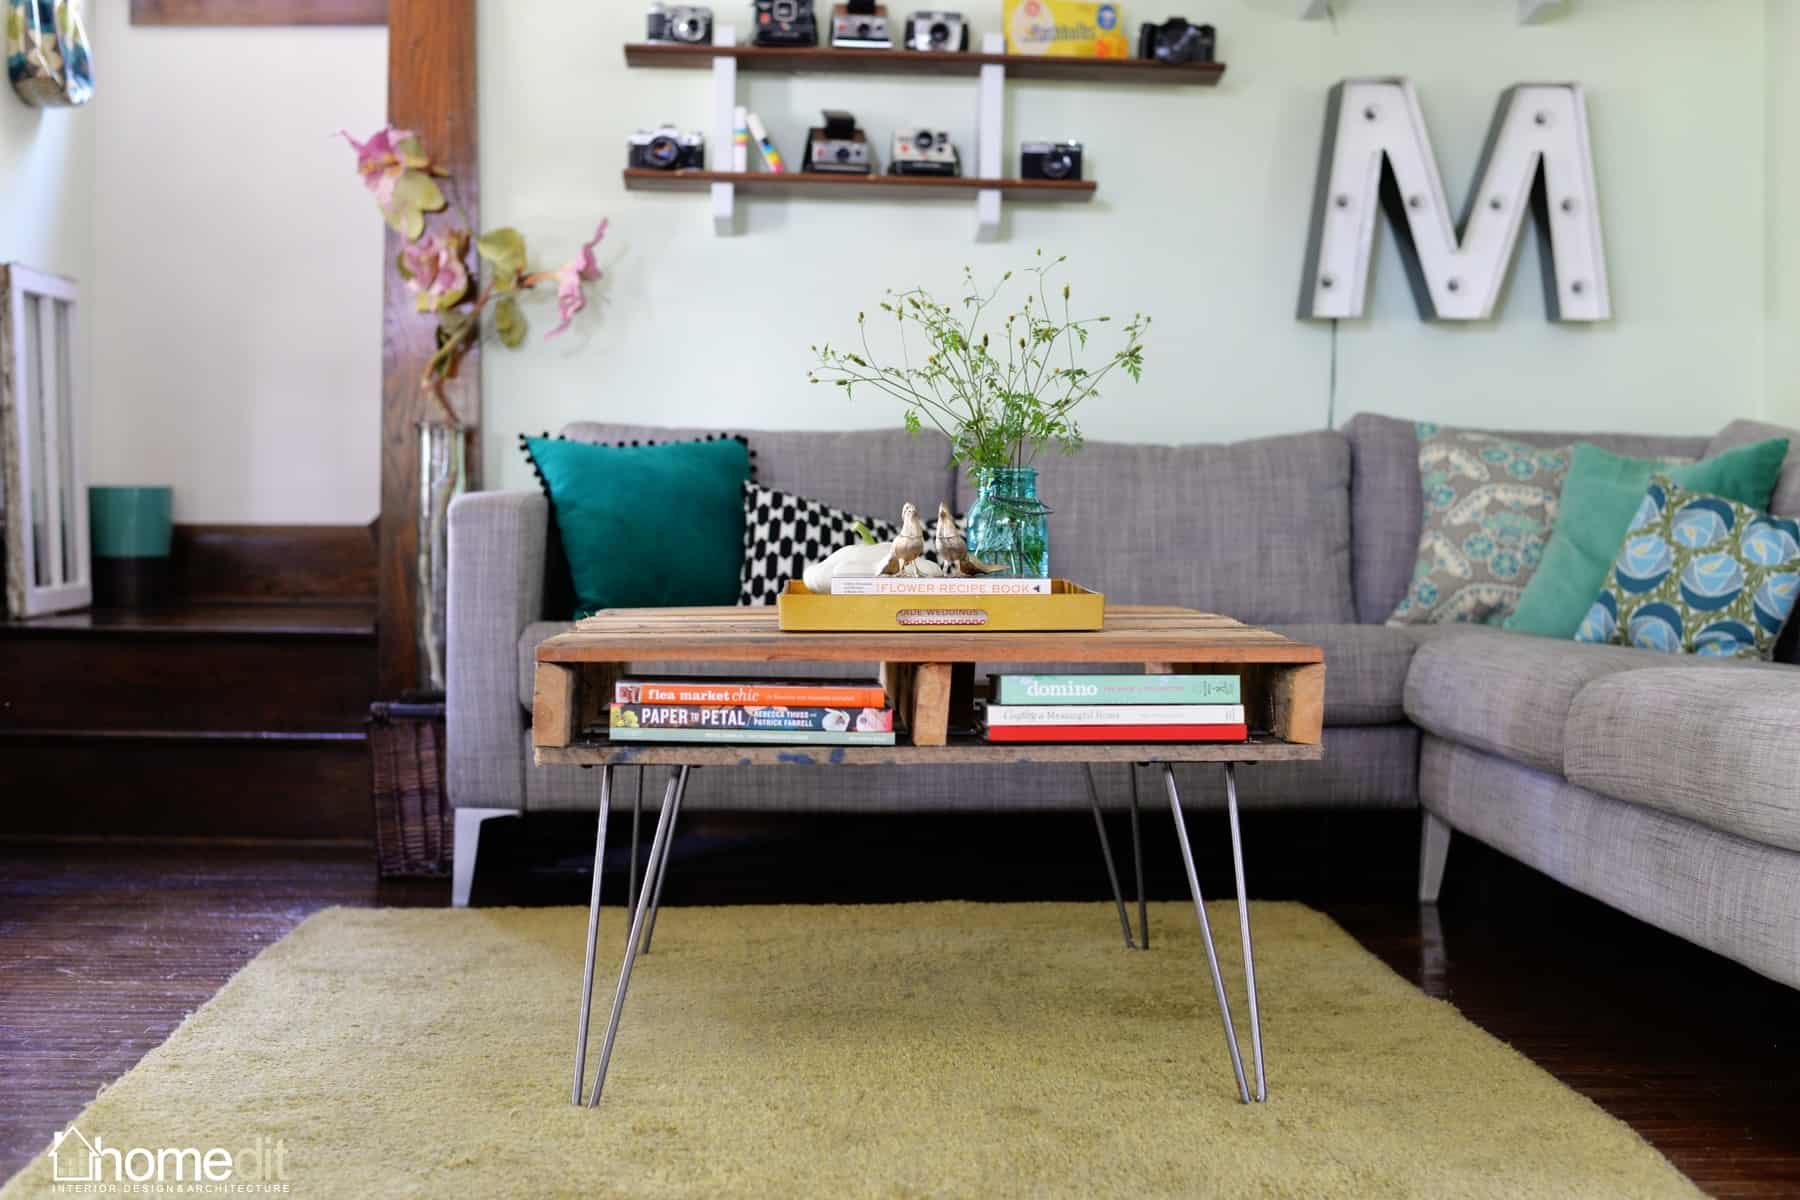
column 1537, row 156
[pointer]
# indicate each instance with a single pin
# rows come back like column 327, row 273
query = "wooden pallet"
column 927, row 675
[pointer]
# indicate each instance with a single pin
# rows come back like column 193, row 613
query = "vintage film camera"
column 838, row 147
column 1050, row 160
column 686, row 23
column 665, row 148
column 861, row 25
column 785, row 23
column 924, row 152
column 1176, row 42
column 937, row 31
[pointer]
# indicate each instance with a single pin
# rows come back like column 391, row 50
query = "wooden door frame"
column 431, row 91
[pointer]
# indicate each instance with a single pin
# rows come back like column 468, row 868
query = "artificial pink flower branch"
column 435, row 265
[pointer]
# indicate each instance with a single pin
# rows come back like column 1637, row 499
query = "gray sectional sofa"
column 1668, row 787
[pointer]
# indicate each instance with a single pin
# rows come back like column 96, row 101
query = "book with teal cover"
column 763, row 737
column 1116, row 689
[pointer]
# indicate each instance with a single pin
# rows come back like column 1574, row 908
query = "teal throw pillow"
column 647, row 526
column 1698, row 574
column 1599, row 496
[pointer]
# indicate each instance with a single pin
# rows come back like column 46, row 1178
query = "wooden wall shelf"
column 922, row 62
column 642, row 179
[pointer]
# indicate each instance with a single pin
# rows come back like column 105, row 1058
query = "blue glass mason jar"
column 1008, row 526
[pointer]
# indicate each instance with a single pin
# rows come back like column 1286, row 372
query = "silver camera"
column 918, row 151
column 838, row 147
column 689, row 24
column 665, row 148
column 861, row 25
column 937, row 31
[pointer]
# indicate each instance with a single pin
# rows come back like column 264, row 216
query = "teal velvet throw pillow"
column 1599, row 498
column 647, row 526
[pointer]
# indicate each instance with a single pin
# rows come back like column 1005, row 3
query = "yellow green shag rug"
column 987, row 1050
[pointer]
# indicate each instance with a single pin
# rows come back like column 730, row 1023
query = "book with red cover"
column 767, row 693
column 1118, row 733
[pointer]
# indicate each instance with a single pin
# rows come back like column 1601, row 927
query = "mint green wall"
column 1782, row 263
column 1200, row 220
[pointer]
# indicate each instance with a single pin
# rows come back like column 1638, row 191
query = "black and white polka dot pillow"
column 784, row 534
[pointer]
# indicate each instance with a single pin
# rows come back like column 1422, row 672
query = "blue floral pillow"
column 1698, row 574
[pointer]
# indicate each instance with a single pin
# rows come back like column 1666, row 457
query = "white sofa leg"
column 468, row 839
column 1434, row 850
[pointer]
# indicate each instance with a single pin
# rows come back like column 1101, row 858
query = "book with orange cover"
column 1117, row 733
column 783, row 693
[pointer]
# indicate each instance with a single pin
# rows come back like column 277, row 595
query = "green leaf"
column 505, row 249
column 862, row 531
column 415, row 194
column 509, row 322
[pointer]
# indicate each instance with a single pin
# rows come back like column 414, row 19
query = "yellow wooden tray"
column 1068, row 606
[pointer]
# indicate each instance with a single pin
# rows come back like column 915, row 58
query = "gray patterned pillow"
column 1489, row 505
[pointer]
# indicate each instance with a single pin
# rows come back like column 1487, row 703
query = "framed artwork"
column 44, row 496
column 258, row 12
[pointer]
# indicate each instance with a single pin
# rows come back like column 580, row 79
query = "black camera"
column 937, row 31
column 1176, row 42
column 1050, row 160
column 785, row 23
column 665, row 148
column 686, row 23
column 838, row 147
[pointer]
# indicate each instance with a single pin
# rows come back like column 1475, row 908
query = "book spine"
column 1117, row 733
column 1117, row 689
column 785, row 737
column 771, row 156
column 752, row 717
column 888, row 586
column 740, row 140
column 631, row 691
column 1115, row 714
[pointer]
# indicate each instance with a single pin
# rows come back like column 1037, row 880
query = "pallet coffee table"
column 928, row 675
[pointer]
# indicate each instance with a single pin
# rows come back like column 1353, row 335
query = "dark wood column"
column 431, row 91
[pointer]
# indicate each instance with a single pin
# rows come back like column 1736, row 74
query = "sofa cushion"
column 1387, row 503
column 1256, row 530
column 871, row 471
column 1717, row 747
column 1507, row 693
column 1365, row 670
column 1784, row 503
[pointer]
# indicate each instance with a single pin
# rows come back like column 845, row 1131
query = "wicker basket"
column 412, row 815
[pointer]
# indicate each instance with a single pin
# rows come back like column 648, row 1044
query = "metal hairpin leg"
column 665, row 821
column 1237, row 863
column 1212, row 956
column 1106, row 852
column 637, row 816
column 593, row 933
column 660, row 867
column 1137, row 856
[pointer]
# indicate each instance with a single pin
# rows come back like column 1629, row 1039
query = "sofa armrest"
column 497, row 544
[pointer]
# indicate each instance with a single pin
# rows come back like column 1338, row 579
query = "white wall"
column 1782, row 261
column 236, row 307
column 1200, row 220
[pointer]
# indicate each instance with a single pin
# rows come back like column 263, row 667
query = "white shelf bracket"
column 1536, row 12
column 990, row 138
column 718, row 155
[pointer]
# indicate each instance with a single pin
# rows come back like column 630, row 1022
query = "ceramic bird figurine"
column 909, row 544
column 953, row 549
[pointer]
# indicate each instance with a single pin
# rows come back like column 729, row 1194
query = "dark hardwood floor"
column 104, row 947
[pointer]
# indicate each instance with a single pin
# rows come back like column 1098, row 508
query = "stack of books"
column 896, row 585
column 1115, row 708
column 786, row 712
